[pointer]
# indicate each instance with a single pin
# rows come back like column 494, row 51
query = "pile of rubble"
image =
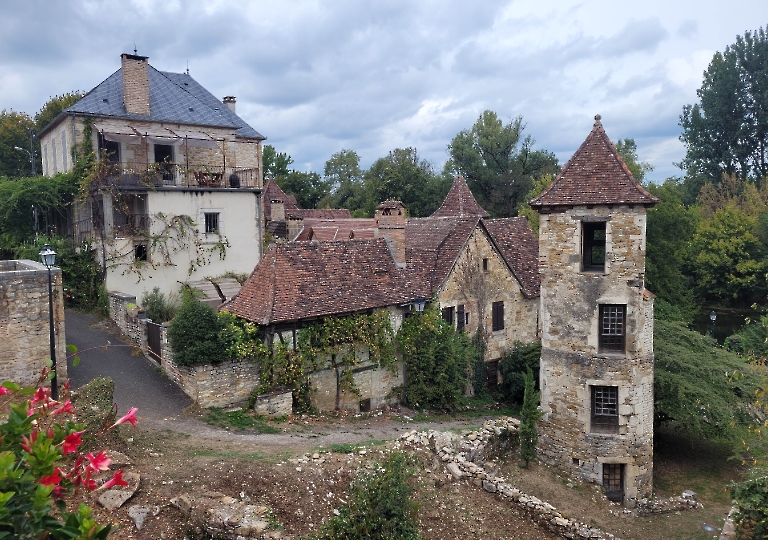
column 687, row 501
column 461, row 455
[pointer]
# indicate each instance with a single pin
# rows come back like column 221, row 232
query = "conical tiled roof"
column 595, row 174
column 460, row 202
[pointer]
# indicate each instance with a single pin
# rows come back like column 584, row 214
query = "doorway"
column 613, row 481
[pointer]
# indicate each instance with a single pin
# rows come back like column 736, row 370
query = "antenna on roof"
column 135, row 52
column 187, row 67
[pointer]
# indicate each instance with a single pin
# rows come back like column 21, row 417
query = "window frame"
column 209, row 221
column 612, row 328
column 604, row 409
column 497, row 316
column 589, row 243
column 448, row 314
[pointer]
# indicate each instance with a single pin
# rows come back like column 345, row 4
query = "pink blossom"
column 116, row 480
column 51, row 479
column 71, row 442
column 40, row 395
column 4, row 390
column 65, row 407
column 130, row 417
column 99, row 462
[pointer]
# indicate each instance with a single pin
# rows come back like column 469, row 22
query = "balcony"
column 174, row 175
column 129, row 225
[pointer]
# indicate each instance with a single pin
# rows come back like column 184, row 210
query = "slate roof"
column 460, row 202
column 301, row 280
column 595, row 174
column 520, row 247
column 173, row 97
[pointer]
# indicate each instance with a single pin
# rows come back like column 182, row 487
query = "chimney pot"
column 230, row 102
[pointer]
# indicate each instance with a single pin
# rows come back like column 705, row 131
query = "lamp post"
column 32, row 154
column 712, row 317
column 48, row 258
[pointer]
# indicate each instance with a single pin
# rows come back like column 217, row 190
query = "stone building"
column 24, row 322
column 597, row 322
column 180, row 196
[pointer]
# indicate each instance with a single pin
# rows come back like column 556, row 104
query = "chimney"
column 390, row 225
column 230, row 101
column 135, row 84
column 277, row 210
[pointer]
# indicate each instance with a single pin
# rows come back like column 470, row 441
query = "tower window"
column 497, row 316
column 605, row 409
column 593, row 247
column 613, row 328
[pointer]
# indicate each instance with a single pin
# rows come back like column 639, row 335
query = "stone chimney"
column 135, row 84
column 390, row 225
column 230, row 102
column 277, row 210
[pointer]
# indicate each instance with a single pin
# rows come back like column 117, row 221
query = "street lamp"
column 48, row 258
column 712, row 317
column 31, row 155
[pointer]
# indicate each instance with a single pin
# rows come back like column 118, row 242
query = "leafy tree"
column 15, row 131
column 379, row 506
column 275, row 163
column 308, row 187
column 727, row 133
column 53, row 107
column 516, row 362
column 670, row 229
column 404, row 176
column 529, row 417
column 343, row 174
column 727, row 259
column 195, row 334
column 540, row 183
column 498, row 165
column 436, row 360
column 627, row 149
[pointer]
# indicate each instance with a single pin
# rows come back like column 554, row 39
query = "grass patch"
column 238, row 420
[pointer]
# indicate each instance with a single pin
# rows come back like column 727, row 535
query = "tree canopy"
column 727, row 132
column 498, row 164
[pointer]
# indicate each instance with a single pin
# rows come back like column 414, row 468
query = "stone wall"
column 277, row 403
column 474, row 286
column 225, row 384
column 375, row 386
column 131, row 325
column 571, row 360
column 24, row 321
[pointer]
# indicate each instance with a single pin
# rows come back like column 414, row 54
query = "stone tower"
column 597, row 323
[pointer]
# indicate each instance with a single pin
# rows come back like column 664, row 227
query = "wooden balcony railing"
column 124, row 225
column 172, row 174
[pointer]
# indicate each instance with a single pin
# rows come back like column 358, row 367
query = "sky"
column 371, row 76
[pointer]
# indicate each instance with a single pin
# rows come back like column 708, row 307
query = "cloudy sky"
column 371, row 76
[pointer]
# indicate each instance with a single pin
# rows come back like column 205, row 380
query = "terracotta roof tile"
column 520, row 247
column 272, row 192
column 460, row 202
column 326, row 213
column 595, row 174
column 334, row 229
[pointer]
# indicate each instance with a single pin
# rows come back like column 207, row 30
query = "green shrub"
column 513, row 367
column 752, row 500
column 159, row 308
column 663, row 310
column 529, row 418
column 194, row 335
column 379, row 506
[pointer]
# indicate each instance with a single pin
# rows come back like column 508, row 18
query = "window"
column 612, row 328
column 164, row 161
column 605, row 409
column 53, row 150
column 111, row 148
column 64, row 150
column 613, row 481
column 140, row 252
column 485, row 265
column 448, row 314
column 593, row 247
column 211, row 223
column 460, row 317
column 497, row 316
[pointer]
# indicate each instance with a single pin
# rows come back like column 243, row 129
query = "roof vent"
column 105, row 100
column 191, row 109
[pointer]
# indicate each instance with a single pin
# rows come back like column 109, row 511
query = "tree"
column 275, row 163
column 529, row 417
column 15, row 131
column 53, row 107
column 308, row 187
column 627, row 149
column 195, row 334
column 343, row 175
column 727, row 133
column 497, row 164
column 405, row 177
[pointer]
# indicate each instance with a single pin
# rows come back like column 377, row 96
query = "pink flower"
column 65, row 407
column 71, row 442
column 40, row 395
column 51, row 479
column 4, row 390
column 99, row 462
column 117, row 480
column 130, row 417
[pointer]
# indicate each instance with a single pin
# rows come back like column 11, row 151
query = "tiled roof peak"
column 460, row 202
column 595, row 174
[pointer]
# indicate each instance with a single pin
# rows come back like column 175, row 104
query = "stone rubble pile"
column 687, row 501
column 220, row 516
column 460, row 454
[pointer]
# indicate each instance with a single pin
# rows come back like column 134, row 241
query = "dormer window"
column 593, row 246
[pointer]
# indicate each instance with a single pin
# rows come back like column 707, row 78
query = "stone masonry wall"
column 571, row 363
column 470, row 285
column 24, row 321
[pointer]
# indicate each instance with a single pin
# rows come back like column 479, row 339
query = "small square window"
column 612, row 328
column 605, row 409
column 211, row 223
column 497, row 316
column 593, row 247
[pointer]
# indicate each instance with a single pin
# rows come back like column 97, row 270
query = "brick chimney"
column 277, row 210
column 135, row 84
column 230, row 102
column 390, row 225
